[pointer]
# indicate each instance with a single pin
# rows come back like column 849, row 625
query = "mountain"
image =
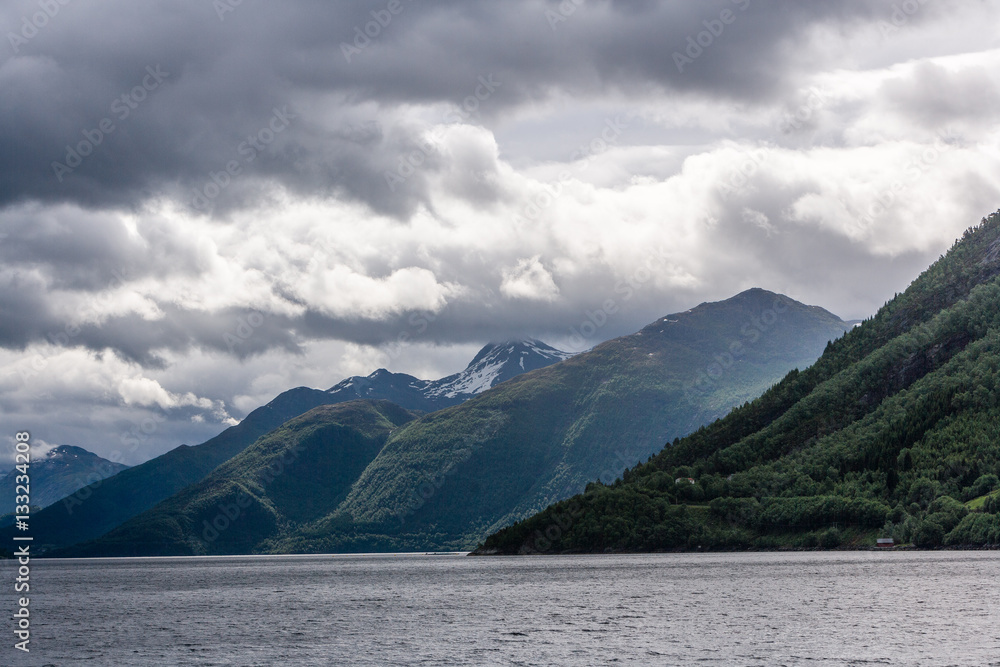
column 285, row 479
column 894, row 432
column 108, row 503
column 542, row 436
column 495, row 363
column 448, row 478
column 62, row 471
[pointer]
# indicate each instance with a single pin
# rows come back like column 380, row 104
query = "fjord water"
column 829, row 608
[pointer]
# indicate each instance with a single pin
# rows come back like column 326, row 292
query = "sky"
column 205, row 203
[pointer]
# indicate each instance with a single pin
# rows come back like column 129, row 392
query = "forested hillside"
column 448, row 478
column 894, row 432
column 292, row 475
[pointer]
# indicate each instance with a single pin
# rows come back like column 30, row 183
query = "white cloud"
column 528, row 279
column 146, row 392
column 517, row 219
column 341, row 292
column 759, row 220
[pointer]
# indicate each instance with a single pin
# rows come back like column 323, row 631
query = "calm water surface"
column 818, row 609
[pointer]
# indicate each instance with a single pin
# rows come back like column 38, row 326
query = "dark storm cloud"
column 240, row 332
column 27, row 316
column 209, row 109
column 200, row 142
column 181, row 88
column 92, row 251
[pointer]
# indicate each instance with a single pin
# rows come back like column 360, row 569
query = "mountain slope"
column 540, row 437
column 495, row 363
column 292, row 475
column 443, row 480
column 99, row 507
column 94, row 510
column 62, row 471
column 893, row 427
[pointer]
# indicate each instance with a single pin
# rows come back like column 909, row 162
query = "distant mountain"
column 112, row 501
column 62, row 471
column 447, row 479
column 287, row 478
column 495, row 363
column 893, row 433
column 109, row 502
column 544, row 435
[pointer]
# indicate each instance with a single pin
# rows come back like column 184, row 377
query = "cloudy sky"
column 204, row 203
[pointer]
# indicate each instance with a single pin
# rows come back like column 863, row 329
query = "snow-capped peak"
column 494, row 363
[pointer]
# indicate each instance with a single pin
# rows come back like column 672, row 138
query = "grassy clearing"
column 977, row 503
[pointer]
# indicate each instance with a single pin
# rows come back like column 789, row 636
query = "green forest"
column 447, row 479
column 893, row 433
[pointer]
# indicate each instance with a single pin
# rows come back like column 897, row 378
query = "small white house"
column 884, row 542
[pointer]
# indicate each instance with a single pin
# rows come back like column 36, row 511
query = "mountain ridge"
column 893, row 432
column 62, row 471
column 282, row 477
column 494, row 363
column 445, row 479
column 587, row 404
column 98, row 508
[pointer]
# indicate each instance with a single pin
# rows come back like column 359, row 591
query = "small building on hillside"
column 884, row 542
column 689, row 480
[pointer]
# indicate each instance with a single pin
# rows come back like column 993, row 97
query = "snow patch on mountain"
column 493, row 364
column 473, row 382
column 496, row 363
